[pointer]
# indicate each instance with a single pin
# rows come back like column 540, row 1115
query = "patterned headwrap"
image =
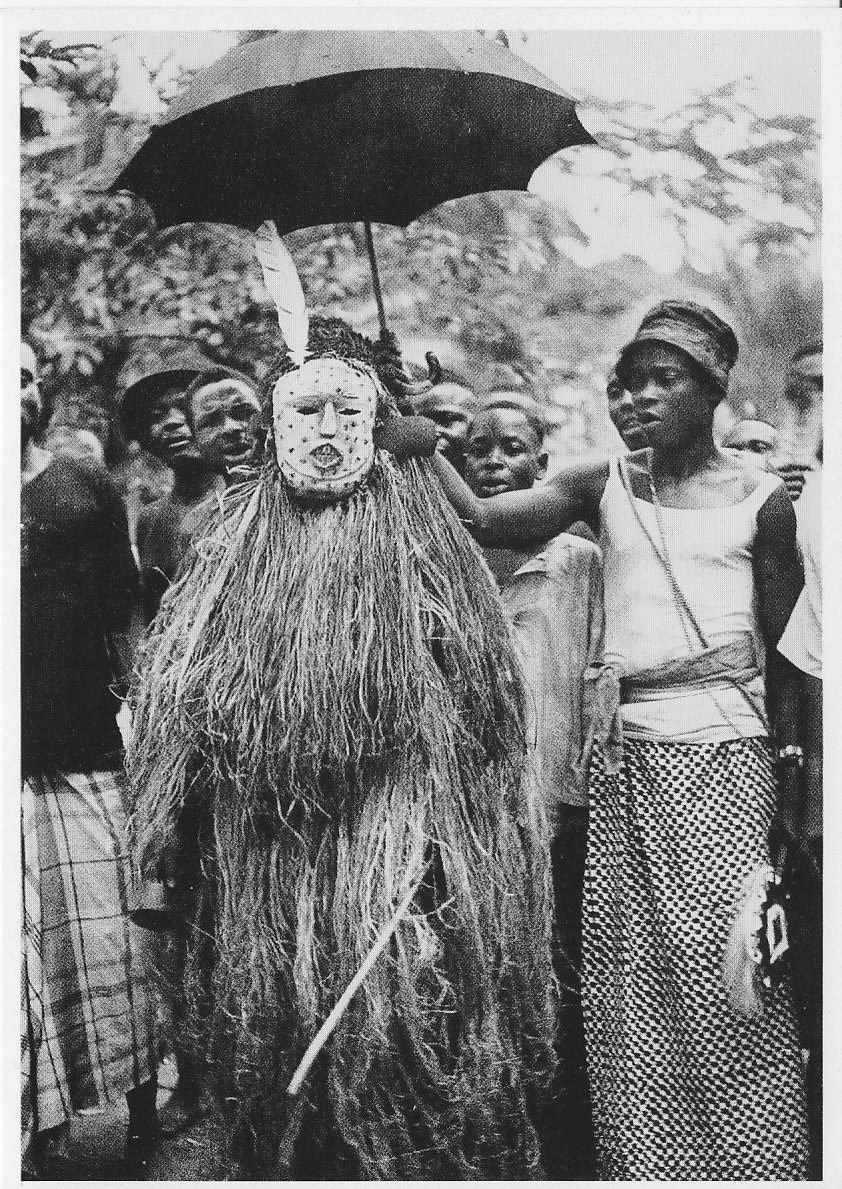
column 693, row 329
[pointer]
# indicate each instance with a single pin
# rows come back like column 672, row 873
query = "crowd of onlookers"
column 92, row 577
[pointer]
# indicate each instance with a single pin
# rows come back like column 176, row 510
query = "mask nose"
column 327, row 428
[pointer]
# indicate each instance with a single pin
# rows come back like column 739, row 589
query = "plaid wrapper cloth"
column 86, row 1017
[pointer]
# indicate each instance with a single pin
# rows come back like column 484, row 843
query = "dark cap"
column 147, row 371
column 693, row 329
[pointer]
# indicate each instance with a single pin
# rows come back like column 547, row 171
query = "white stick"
column 333, row 1019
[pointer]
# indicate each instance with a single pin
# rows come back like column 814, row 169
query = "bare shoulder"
column 157, row 525
column 151, row 516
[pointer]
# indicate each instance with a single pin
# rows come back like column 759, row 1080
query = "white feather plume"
column 280, row 276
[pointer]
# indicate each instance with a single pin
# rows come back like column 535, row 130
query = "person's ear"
column 543, row 461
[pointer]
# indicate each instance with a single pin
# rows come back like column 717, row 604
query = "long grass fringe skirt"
column 682, row 1087
column 86, row 1023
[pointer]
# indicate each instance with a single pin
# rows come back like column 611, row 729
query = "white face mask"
column 324, row 415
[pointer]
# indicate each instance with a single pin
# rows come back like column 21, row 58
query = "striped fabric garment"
column 86, row 1019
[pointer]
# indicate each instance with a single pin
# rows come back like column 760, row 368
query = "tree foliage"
column 501, row 283
column 739, row 194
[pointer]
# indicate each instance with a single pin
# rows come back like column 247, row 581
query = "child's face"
column 503, row 453
column 224, row 414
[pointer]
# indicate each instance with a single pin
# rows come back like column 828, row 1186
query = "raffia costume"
column 329, row 715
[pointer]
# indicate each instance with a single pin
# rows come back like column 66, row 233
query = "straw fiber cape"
column 328, row 713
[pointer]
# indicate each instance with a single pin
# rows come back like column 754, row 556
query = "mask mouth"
column 326, row 457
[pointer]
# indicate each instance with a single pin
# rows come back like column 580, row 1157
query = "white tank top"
column 711, row 554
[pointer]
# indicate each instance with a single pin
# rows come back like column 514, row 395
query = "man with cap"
column 696, row 759
column 86, row 1017
column 155, row 414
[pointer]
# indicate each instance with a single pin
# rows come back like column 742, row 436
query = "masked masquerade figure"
column 329, row 724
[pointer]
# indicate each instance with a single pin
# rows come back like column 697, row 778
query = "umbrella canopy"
column 323, row 126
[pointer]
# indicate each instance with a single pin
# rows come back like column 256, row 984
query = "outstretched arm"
column 524, row 517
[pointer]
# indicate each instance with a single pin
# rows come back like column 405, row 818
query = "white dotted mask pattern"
column 324, row 415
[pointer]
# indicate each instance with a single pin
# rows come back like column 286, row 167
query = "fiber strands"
column 328, row 709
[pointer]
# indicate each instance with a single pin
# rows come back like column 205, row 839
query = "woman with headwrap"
column 329, row 752
column 701, row 570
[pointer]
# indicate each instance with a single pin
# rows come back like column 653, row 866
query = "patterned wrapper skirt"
column 682, row 1086
column 86, row 1019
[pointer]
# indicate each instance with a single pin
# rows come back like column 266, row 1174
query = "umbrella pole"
column 375, row 276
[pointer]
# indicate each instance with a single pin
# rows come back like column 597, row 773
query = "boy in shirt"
column 553, row 593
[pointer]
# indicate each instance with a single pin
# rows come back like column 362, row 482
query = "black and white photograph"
column 420, row 703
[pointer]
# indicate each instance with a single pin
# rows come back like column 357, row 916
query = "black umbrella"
column 326, row 126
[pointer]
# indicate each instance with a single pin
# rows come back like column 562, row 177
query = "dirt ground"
column 95, row 1148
